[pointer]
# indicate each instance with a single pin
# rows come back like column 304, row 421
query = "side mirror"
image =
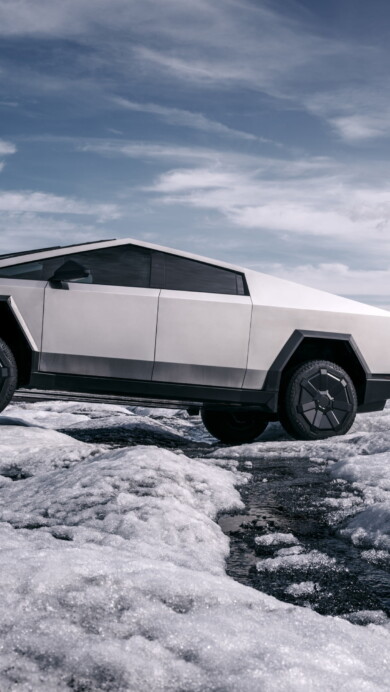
column 69, row 271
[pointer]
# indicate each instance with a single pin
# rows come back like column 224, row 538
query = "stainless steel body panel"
column 280, row 307
column 27, row 304
column 202, row 338
column 94, row 330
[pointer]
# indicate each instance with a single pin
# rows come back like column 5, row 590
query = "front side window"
column 181, row 274
column 122, row 265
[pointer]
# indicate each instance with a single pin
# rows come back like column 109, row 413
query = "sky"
column 253, row 132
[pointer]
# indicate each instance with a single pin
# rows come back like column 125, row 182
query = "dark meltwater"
column 284, row 545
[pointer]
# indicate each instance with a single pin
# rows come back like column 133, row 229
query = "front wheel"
column 319, row 401
column 8, row 375
column 234, row 427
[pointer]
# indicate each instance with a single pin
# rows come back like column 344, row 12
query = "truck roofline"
column 32, row 255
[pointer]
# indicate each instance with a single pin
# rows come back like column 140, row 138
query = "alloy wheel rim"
column 324, row 400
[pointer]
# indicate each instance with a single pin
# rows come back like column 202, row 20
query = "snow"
column 312, row 559
column 26, row 451
column 304, row 588
column 277, row 538
column 113, row 565
column 85, row 416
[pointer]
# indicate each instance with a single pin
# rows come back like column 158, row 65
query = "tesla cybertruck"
column 134, row 322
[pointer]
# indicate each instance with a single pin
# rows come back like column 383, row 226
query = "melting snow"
column 113, row 564
column 304, row 588
column 311, row 560
column 274, row 539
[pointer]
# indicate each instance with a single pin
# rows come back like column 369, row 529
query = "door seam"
column 155, row 338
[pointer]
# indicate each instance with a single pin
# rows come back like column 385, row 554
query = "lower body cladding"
column 377, row 391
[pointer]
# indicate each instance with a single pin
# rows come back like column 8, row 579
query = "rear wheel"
column 319, row 401
column 8, row 375
column 234, row 427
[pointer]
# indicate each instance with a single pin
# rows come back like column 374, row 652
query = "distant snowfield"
column 113, row 566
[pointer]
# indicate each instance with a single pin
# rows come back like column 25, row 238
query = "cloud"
column 80, row 18
column 183, row 180
column 7, row 148
column 184, row 118
column 355, row 113
column 317, row 198
column 194, row 154
column 146, row 150
column 354, row 128
column 44, row 203
column 208, row 44
column 25, row 230
column 197, row 70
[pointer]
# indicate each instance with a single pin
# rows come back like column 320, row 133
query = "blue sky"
column 254, row 132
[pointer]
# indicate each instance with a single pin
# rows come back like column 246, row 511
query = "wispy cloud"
column 198, row 70
column 44, row 203
column 314, row 198
column 355, row 113
column 6, row 149
column 25, row 230
column 195, row 154
column 227, row 45
column 184, row 118
column 146, row 150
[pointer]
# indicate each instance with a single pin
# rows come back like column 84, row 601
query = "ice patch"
column 304, row 588
column 377, row 557
column 294, row 550
column 313, row 560
column 274, row 539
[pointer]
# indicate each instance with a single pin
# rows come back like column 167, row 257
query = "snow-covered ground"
column 113, row 565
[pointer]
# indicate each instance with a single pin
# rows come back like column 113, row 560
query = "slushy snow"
column 113, row 566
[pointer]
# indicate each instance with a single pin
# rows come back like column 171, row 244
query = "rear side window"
column 182, row 274
column 123, row 265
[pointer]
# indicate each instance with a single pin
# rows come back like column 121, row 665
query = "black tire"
column 8, row 375
column 234, row 427
column 319, row 401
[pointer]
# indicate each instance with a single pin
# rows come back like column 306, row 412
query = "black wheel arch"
column 305, row 345
column 11, row 331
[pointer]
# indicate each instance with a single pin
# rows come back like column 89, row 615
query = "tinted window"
column 182, row 274
column 123, row 265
